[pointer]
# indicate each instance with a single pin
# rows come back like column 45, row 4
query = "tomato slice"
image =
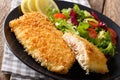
column 113, row 35
column 59, row 15
column 94, row 25
column 92, row 33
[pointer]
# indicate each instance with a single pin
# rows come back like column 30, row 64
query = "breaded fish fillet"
column 88, row 56
column 43, row 42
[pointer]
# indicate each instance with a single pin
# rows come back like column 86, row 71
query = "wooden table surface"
column 107, row 7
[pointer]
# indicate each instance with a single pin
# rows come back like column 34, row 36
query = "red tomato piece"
column 92, row 33
column 59, row 15
column 113, row 35
column 94, row 25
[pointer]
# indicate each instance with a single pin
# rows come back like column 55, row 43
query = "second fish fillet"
column 88, row 56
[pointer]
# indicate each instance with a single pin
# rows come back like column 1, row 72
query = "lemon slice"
column 31, row 5
column 24, row 6
column 43, row 5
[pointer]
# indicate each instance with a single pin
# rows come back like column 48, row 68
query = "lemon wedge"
column 43, row 5
column 32, row 5
column 37, row 5
column 24, row 6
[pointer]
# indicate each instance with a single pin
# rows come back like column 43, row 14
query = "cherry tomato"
column 113, row 35
column 94, row 25
column 59, row 15
column 92, row 33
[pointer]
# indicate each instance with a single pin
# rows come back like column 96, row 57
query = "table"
column 107, row 7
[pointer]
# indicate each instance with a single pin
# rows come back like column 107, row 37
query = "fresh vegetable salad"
column 86, row 25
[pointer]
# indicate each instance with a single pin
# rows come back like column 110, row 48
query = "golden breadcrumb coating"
column 88, row 56
column 43, row 42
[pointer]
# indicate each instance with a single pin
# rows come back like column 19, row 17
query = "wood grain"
column 112, row 10
column 97, row 5
column 4, row 9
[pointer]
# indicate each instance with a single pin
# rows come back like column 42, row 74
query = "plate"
column 75, row 73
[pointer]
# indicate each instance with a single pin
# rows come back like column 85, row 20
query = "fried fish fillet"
column 43, row 42
column 88, row 56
